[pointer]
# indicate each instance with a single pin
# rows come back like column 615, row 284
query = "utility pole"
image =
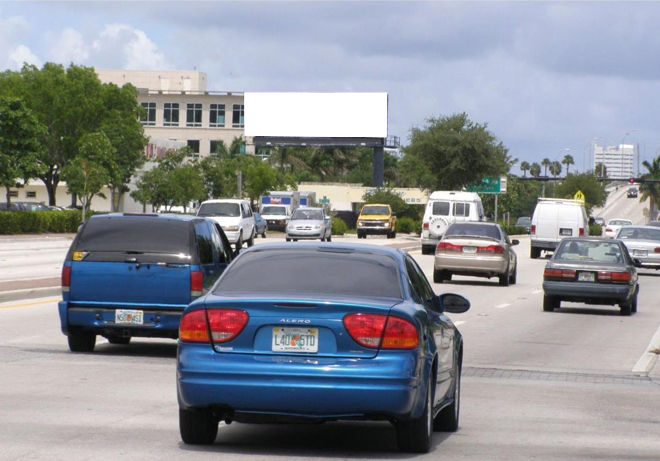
column 239, row 183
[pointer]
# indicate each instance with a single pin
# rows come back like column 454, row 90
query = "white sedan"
column 614, row 226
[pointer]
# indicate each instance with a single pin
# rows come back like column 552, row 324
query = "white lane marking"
column 535, row 292
column 648, row 359
column 459, row 322
column 502, row 306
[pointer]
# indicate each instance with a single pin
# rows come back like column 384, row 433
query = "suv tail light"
column 444, row 246
column 425, row 225
column 196, row 284
column 495, row 249
column 66, row 279
column 194, row 327
column 607, row 276
column 581, row 231
column 532, row 230
column 374, row 331
column 226, row 324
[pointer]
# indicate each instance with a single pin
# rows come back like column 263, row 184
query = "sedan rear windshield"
column 143, row 234
column 619, row 222
column 480, row 230
column 603, row 252
column 370, row 210
column 309, row 271
column 219, row 209
column 639, row 233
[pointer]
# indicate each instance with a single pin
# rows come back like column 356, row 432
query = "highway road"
column 620, row 206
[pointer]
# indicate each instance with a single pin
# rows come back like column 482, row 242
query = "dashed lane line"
column 502, row 306
column 459, row 322
column 535, row 292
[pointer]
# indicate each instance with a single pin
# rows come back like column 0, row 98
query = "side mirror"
column 515, row 242
column 453, row 303
column 637, row 262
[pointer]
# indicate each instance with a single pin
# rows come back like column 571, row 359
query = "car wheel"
column 119, row 339
column 197, row 427
column 534, row 252
column 438, row 276
column 288, row 239
column 447, row 419
column 239, row 242
column 633, row 304
column 504, row 278
column 514, row 277
column 263, row 234
column 394, row 234
column 550, row 303
column 250, row 241
column 414, row 436
column 323, row 239
column 329, row 239
column 81, row 341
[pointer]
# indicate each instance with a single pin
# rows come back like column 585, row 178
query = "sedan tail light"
column 374, row 331
column 564, row 274
column 194, row 328
column 493, row 249
column 608, row 229
column 657, row 250
column 445, row 246
column 66, row 279
column 615, row 277
column 226, row 324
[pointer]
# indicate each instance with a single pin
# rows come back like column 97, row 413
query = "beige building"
column 179, row 107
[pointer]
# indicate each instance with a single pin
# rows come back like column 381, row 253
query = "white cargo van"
column 445, row 208
column 555, row 219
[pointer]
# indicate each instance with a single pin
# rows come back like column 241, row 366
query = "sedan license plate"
column 470, row 250
column 295, row 340
column 566, row 231
column 586, row 277
column 640, row 253
column 129, row 317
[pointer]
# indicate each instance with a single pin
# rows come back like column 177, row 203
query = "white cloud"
column 69, row 46
column 20, row 55
column 123, row 46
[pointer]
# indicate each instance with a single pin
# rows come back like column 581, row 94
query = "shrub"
column 339, row 226
column 515, row 230
column 595, row 230
column 31, row 222
column 405, row 225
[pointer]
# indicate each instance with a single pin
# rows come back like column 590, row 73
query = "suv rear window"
column 312, row 271
column 139, row 234
column 440, row 209
column 219, row 209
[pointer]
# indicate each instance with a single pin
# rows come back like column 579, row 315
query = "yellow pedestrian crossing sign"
column 579, row 196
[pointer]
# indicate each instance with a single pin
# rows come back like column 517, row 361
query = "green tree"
column 20, row 133
column 546, row 163
column 186, row 184
column 525, row 167
column 86, row 174
column 568, row 161
column 152, row 187
column 601, row 170
column 259, row 177
column 394, row 200
column 449, row 153
column 651, row 191
column 519, row 200
column 535, row 170
column 555, row 168
column 593, row 190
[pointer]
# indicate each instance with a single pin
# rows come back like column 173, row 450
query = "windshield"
column 219, row 209
column 480, row 230
column 273, row 210
column 619, row 222
column 300, row 214
column 375, row 209
column 603, row 252
column 639, row 233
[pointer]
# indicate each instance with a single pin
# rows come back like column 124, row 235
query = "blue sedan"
column 327, row 332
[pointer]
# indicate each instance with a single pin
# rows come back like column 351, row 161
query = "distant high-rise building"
column 618, row 160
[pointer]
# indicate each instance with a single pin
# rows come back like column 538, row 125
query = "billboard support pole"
column 379, row 166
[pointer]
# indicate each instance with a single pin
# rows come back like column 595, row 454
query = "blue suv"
column 130, row 274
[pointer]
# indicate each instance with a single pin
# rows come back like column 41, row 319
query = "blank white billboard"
column 316, row 115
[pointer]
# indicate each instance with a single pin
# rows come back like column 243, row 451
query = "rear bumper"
column 310, row 387
column 590, row 293
column 470, row 265
column 158, row 323
column 545, row 244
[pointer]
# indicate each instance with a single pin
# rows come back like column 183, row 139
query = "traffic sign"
column 324, row 200
column 488, row 185
column 579, row 196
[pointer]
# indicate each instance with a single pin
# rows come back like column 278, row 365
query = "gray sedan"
column 309, row 224
column 643, row 243
column 591, row 271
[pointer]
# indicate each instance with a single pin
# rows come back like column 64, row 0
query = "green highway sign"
column 324, row 200
column 488, row 185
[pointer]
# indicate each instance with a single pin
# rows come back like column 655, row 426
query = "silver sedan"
column 309, row 224
column 643, row 243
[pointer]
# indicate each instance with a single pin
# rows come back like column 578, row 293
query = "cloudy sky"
column 544, row 76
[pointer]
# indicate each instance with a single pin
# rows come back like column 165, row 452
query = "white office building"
column 618, row 160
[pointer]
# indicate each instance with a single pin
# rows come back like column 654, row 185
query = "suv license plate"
column 295, row 340
column 586, row 277
column 129, row 317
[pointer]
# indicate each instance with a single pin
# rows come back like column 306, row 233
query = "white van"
column 235, row 217
column 445, row 208
column 555, row 219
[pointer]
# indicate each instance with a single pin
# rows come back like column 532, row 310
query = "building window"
column 13, row 193
column 171, row 114
column 237, row 117
column 216, row 146
column 31, row 194
column 194, row 114
column 194, row 146
column 217, row 115
column 150, row 117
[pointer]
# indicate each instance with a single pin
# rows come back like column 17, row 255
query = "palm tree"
column 535, row 170
column 291, row 157
column 524, row 167
column 651, row 190
column 601, row 170
column 568, row 161
column 546, row 164
column 555, row 168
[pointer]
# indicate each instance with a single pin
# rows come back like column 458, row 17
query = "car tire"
column 394, row 234
column 428, row 249
column 250, row 241
column 239, row 242
column 514, row 277
column 263, row 234
column 197, row 427
column 123, row 340
column 534, row 252
column 504, row 278
column 83, row 341
column 415, row 435
column 323, row 239
column 438, row 276
column 633, row 304
column 550, row 303
column 329, row 239
column 447, row 419
column 288, row 239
